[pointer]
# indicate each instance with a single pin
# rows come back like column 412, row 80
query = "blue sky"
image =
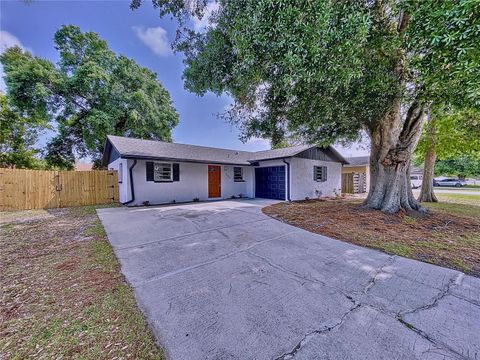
column 141, row 35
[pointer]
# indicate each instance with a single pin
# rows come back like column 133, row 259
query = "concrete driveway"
column 220, row 280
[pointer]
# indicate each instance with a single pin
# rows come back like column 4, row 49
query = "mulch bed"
column 440, row 238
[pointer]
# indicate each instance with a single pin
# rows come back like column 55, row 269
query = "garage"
column 270, row 182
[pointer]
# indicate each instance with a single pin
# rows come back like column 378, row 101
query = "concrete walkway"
column 220, row 280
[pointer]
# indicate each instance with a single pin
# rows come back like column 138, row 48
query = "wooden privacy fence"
column 39, row 189
column 347, row 183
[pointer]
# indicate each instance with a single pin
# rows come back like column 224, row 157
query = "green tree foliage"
column 462, row 166
column 450, row 133
column 456, row 134
column 325, row 69
column 18, row 135
column 90, row 93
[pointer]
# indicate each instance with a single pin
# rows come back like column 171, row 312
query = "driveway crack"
column 454, row 281
column 379, row 271
column 435, row 342
column 307, row 337
column 302, row 279
column 211, row 261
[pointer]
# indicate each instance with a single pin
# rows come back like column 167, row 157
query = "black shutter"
column 149, row 166
column 176, row 172
column 324, row 173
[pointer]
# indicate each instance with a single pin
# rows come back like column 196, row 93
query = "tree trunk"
column 392, row 146
column 426, row 193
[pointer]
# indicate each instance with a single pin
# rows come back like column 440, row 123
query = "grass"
column 467, row 199
column 448, row 236
column 62, row 294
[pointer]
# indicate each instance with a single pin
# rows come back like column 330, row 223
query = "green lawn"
column 466, row 199
column 63, row 295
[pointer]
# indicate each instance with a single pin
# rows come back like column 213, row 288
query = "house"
column 156, row 172
column 83, row 166
column 356, row 175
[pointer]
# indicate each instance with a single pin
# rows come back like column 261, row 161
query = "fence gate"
column 39, row 189
column 347, row 183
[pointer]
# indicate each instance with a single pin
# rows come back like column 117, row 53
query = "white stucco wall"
column 193, row 184
column 194, row 181
column 123, row 179
column 303, row 184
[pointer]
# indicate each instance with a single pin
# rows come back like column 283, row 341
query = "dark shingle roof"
column 130, row 147
column 358, row 161
column 138, row 148
column 278, row 153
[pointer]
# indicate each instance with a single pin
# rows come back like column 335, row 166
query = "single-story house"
column 156, row 172
column 356, row 175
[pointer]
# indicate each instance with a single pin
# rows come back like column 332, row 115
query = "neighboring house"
column 83, row 166
column 155, row 172
column 356, row 175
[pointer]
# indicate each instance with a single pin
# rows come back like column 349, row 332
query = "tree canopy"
column 457, row 133
column 461, row 166
column 90, row 93
column 325, row 69
column 449, row 133
column 18, row 135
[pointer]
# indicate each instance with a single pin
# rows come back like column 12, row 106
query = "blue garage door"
column 270, row 182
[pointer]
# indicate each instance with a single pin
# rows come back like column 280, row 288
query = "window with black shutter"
column 238, row 174
column 149, row 168
column 176, row 172
column 320, row 173
column 162, row 172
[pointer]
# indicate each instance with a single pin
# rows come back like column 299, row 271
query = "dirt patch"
column 440, row 237
column 62, row 293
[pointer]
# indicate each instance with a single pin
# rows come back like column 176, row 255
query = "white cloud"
column 155, row 38
column 201, row 24
column 358, row 148
column 7, row 40
column 256, row 141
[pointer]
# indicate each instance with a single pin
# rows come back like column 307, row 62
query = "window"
column 320, row 173
column 238, row 174
column 120, row 173
column 162, row 172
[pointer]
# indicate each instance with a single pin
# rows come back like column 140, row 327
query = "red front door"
column 214, row 181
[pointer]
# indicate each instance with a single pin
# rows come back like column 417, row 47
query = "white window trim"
column 162, row 164
column 241, row 172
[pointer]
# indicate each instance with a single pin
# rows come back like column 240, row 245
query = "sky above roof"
column 143, row 36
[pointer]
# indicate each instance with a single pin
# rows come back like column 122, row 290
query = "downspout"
column 288, row 179
column 132, row 188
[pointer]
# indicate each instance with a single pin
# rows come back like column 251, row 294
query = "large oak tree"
column 325, row 69
column 90, row 93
